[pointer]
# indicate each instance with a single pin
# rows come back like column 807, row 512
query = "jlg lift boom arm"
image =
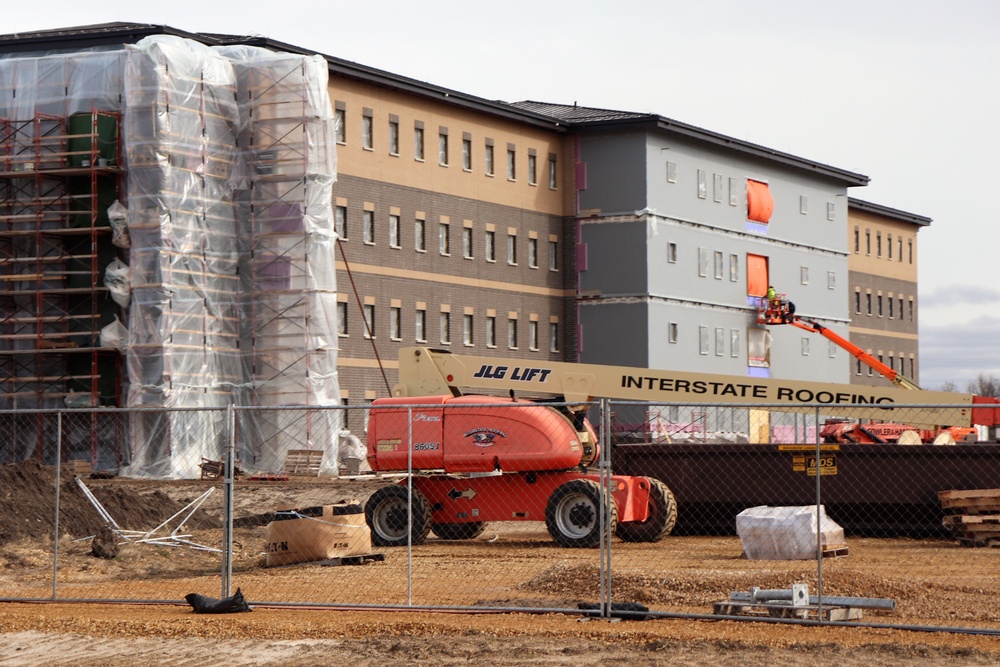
column 886, row 371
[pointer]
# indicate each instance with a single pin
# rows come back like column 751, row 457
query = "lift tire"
column 458, row 531
column 662, row 516
column 386, row 513
column 572, row 514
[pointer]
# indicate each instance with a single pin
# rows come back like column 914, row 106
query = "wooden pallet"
column 775, row 610
column 353, row 560
column 972, row 515
column 303, row 462
column 829, row 551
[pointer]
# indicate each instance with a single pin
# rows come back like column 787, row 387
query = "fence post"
column 819, row 525
column 409, row 506
column 55, row 535
column 604, row 465
column 227, row 504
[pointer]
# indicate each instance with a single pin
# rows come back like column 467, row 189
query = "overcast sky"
column 905, row 92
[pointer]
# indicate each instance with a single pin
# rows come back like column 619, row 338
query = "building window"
column 420, row 235
column 831, row 211
column 672, row 252
column 533, row 253
column 879, row 300
column 702, row 184
column 734, row 342
column 418, row 142
column 831, row 280
column 553, row 336
column 491, row 331
column 490, row 246
column 512, row 249
column 857, row 302
column 890, row 302
column 702, row 339
column 420, row 326
column 720, row 341
column 719, row 266
column 368, row 227
column 467, row 242
column 868, row 242
column 553, row 255
column 804, row 275
column 340, row 123
column 717, row 192
column 395, row 322
column 393, row 137
column 443, row 148
column 888, row 246
column 757, row 275
column 445, row 326
column 533, row 335
column 868, row 303
column 444, row 239
column 910, row 243
column 671, row 172
column 734, row 194
column 672, row 332
column 878, row 244
column 488, row 156
column 467, row 328
column 512, row 333
column 369, row 311
column 394, row 231
column 899, row 245
column 340, row 221
column 803, row 204
column 900, row 308
column 511, row 163
column 467, row 154
column 367, row 131
column 553, row 174
column 341, row 318
column 805, row 346
column 857, row 240
column 532, row 169
column 734, row 267
column 760, row 203
column 911, row 309
column 857, row 367
column 702, row 262
column 758, row 348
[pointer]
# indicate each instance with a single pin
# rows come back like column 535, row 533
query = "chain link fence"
column 730, row 511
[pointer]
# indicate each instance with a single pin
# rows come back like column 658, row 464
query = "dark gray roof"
column 894, row 213
column 591, row 118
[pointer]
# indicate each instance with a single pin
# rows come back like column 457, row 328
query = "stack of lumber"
column 973, row 516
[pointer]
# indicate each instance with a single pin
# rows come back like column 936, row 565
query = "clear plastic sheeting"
column 287, row 143
column 61, row 84
column 180, row 146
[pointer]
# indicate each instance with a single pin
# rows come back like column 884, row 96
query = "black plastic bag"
column 203, row 604
column 632, row 611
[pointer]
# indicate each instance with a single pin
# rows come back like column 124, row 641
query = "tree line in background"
column 983, row 385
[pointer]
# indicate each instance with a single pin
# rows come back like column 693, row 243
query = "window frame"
column 420, row 234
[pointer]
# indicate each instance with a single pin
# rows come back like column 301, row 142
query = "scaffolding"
column 287, row 142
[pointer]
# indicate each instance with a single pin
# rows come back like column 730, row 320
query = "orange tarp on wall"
column 760, row 203
column 756, row 275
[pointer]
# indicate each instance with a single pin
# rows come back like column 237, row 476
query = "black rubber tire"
column 572, row 514
column 662, row 516
column 459, row 531
column 386, row 513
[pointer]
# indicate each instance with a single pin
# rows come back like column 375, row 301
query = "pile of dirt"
column 28, row 501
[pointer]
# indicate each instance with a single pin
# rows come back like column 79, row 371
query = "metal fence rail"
column 746, row 512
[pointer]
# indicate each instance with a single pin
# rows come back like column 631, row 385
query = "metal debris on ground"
column 797, row 603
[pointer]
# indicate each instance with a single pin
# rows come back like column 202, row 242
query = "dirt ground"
column 509, row 566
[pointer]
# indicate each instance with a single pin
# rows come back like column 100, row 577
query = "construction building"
column 883, row 288
column 321, row 240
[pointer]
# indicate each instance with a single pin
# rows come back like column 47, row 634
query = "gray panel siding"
column 616, row 178
column 616, row 258
column 615, row 334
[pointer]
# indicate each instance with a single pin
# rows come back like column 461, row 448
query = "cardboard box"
column 317, row 533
